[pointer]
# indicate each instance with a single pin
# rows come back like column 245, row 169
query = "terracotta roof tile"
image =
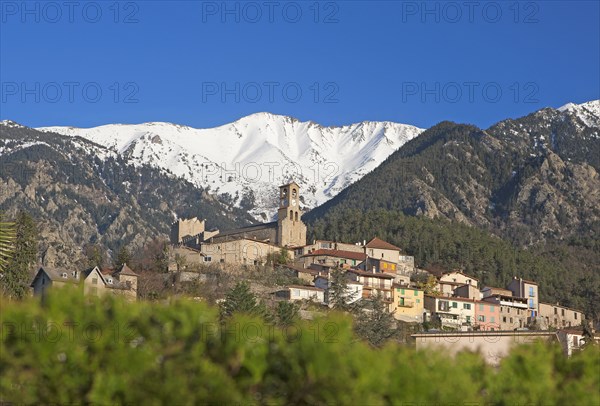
column 384, row 245
column 337, row 253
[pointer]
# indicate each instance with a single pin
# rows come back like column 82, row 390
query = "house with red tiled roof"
column 374, row 283
column 379, row 250
column 332, row 257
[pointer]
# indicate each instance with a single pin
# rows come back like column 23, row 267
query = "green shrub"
column 72, row 349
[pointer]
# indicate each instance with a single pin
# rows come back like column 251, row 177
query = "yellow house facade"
column 408, row 303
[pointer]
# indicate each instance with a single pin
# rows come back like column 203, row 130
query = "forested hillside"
column 520, row 198
column 80, row 193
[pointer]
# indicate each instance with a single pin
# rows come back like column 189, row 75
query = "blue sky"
column 208, row 63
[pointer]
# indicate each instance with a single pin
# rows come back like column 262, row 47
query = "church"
column 243, row 246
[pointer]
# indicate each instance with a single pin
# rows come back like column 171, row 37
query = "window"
column 64, row 275
column 468, row 319
column 481, row 318
column 401, row 303
column 504, row 319
column 492, row 319
column 563, row 312
column 467, row 306
column 555, row 310
column 443, row 305
column 207, row 259
column 454, row 305
column 511, row 320
column 492, row 309
column 94, row 281
column 481, row 307
column 402, row 291
column 575, row 315
column 418, row 300
column 415, row 293
column 109, row 280
column 531, row 294
column 222, row 260
column 532, row 304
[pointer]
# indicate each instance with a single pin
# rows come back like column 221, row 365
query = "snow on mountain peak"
column 588, row 113
column 11, row 124
column 246, row 158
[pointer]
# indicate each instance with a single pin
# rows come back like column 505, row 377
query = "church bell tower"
column 291, row 231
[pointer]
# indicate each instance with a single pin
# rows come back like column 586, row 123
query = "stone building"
column 527, row 289
column 247, row 245
column 557, row 316
column 94, row 281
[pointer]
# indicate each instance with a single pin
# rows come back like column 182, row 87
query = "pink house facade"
column 487, row 316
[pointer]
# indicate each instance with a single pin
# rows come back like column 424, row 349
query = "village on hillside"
column 458, row 311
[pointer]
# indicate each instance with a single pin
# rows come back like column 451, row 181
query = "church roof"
column 247, row 229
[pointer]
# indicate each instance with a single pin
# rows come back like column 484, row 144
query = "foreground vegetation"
column 72, row 349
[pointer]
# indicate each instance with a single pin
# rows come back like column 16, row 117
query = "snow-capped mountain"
column 246, row 158
column 588, row 113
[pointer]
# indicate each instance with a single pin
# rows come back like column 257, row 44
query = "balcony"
column 406, row 303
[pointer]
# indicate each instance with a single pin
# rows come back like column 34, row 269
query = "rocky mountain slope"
column 532, row 180
column 83, row 193
column 241, row 161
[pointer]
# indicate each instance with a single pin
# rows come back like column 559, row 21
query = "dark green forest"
column 562, row 271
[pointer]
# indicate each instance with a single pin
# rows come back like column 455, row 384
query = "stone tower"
column 291, row 231
column 185, row 227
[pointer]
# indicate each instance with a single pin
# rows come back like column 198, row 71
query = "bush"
column 72, row 349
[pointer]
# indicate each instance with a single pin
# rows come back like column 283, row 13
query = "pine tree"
column 93, row 252
column 123, row 257
column 161, row 258
column 286, row 313
column 375, row 324
column 15, row 281
column 340, row 298
column 241, row 300
column 7, row 242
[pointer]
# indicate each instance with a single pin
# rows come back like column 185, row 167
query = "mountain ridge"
column 243, row 159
